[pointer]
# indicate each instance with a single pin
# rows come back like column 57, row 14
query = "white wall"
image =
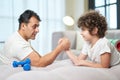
column 50, row 12
column 10, row 12
column 75, row 8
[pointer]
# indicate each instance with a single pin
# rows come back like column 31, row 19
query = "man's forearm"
column 50, row 57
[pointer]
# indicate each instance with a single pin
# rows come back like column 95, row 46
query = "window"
column 110, row 9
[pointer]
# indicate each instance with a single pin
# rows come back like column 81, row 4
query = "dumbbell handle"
column 26, row 61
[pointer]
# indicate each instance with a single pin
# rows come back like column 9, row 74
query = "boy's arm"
column 75, row 59
column 105, row 62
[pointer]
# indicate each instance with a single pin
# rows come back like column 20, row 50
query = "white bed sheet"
column 60, row 70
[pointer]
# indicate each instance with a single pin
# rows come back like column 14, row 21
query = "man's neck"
column 22, row 35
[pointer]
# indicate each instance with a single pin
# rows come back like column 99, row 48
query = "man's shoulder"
column 15, row 38
column 12, row 35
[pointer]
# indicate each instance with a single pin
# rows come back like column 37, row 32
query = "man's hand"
column 65, row 43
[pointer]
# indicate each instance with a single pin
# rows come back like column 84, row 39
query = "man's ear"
column 23, row 25
column 95, row 31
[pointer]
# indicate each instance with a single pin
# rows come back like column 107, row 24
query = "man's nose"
column 37, row 29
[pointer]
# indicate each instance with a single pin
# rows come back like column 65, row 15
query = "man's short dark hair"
column 26, row 15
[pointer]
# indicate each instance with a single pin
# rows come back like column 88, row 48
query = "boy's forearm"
column 73, row 58
column 89, row 64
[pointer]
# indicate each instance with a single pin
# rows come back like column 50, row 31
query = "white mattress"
column 60, row 70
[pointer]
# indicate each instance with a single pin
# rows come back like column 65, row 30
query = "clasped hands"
column 65, row 43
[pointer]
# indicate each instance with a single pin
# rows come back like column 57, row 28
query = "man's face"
column 31, row 29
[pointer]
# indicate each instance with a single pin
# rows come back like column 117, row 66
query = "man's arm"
column 42, row 61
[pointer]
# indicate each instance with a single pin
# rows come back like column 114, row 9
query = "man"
column 18, row 45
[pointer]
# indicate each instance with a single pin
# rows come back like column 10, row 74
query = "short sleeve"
column 23, row 50
column 85, row 49
column 105, row 47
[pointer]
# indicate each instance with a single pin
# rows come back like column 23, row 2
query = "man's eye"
column 34, row 27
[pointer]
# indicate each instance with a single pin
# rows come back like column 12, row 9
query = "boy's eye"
column 82, row 29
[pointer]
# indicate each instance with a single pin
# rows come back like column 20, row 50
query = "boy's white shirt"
column 100, row 47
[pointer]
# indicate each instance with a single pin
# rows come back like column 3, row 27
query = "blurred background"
column 52, row 13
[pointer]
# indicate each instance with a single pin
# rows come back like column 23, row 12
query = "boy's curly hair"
column 93, row 19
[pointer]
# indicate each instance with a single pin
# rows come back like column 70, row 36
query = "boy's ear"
column 95, row 31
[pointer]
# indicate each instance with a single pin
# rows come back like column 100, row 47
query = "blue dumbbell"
column 21, row 63
column 27, row 67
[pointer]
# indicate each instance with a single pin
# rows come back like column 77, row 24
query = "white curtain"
column 51, row 13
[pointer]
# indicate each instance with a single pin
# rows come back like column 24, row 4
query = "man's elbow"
column 40, row 63
column 105, row 66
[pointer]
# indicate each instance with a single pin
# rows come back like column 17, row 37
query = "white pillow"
column 79, row 41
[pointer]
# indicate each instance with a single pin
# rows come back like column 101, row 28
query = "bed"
column 60, row 70
column 63, row 68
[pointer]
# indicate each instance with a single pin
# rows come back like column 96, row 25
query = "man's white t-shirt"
column 15, row 48
column 99, row 48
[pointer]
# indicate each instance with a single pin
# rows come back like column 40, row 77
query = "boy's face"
column 86, row 34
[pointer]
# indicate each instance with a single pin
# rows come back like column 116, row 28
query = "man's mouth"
column 34, row 35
